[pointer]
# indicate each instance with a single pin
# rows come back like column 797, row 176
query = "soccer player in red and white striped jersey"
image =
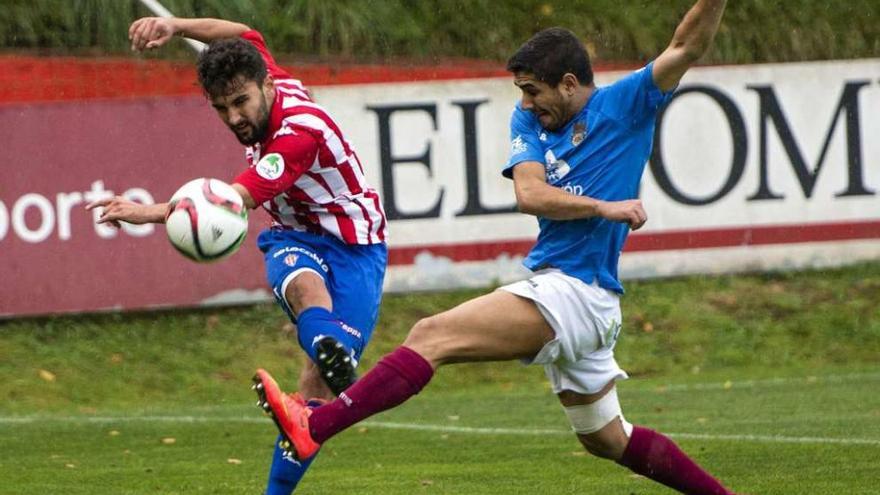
column 322, row 190
column 325, row 253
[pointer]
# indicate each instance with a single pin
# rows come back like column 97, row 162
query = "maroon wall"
column 152, row 143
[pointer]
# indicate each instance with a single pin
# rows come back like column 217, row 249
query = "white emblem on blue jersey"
column 543, row 137
column 518, row 146
column 554, row 169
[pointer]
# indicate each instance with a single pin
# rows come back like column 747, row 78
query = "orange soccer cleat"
column 290, row 414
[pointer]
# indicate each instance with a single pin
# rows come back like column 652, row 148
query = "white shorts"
column 587, row 321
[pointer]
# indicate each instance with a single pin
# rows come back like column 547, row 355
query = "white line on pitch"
column 690, row 436
column 421, row 427
column 638, row 385
column 776, row 439
column 734, row 383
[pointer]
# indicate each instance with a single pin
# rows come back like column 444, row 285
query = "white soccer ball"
column 206, row 220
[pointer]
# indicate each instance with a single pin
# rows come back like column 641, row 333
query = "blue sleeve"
column 635, row 97
column 525, row 145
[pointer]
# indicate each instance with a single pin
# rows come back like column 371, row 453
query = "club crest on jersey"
column 270, row 166
column 290, row 259
column 578, row 133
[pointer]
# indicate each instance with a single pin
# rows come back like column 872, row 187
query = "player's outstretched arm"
column 152, row 32
column 118, row 209
column 691, row 40
column 534, row 196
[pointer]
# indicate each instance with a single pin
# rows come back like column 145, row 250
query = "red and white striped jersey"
column 305, row 173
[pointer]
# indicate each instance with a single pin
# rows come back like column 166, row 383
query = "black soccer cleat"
column 335, row 364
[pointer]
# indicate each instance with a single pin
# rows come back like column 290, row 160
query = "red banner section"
column 33, row 79
column 58, row 157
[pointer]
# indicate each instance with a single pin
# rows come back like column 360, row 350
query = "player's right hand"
column 150, row 32
column 630, row 212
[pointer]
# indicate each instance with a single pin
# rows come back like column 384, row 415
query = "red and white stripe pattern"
column 332, row 196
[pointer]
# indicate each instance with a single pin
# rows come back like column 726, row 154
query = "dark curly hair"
column 227, row 63
column 550, row 54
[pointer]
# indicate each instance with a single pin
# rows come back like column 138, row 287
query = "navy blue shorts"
column 352, row 273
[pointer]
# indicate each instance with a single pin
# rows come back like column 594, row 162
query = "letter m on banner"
column 770, row 111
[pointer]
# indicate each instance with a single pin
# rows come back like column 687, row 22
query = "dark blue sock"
column 316, row 321
column 285, row 473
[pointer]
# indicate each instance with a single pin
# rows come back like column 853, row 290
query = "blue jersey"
column 601, row 153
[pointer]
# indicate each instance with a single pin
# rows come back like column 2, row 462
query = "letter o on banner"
column 737, row 133
column 47, row 218
column 4, row 221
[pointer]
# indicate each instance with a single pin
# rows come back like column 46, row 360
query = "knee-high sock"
column 652, row 454
column 317, row 321
column 395, row 378
column 286, row 472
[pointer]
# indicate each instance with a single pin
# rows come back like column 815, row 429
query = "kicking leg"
column 496, row 326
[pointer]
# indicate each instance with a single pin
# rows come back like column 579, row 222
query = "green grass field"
column 769, row 381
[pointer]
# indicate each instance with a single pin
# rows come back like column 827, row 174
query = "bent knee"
column 600, row 425
column 306, row 290
column 306, row 284
column 429, row 338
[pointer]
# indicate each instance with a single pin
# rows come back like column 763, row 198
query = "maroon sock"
column 652, row 454
column 395, row 378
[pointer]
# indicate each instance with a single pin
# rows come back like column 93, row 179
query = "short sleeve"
column 525, row 144
column 283, row 162
column 256, row 39
column 635, row 97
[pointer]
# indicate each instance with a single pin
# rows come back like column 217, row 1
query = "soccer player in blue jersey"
column 577, row 155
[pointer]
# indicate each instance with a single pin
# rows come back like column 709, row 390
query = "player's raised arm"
column 691, row 40
column 153, row 32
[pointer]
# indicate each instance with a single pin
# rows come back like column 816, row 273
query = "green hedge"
column 752, row 31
